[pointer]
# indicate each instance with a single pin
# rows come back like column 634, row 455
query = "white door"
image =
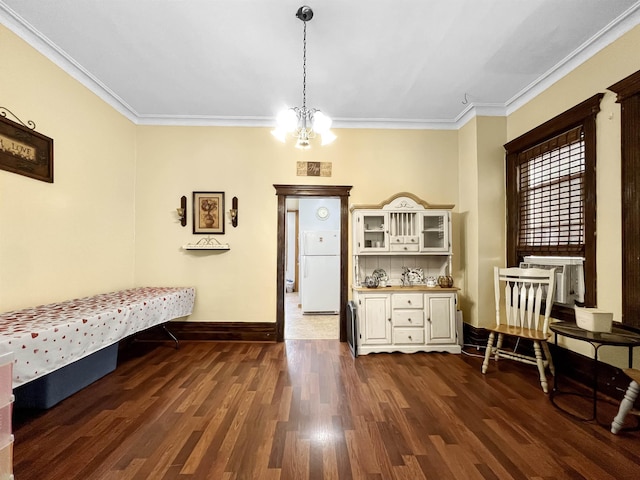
column 320, row 284
column 375, row 319
column 441, row 325
column 321, row 243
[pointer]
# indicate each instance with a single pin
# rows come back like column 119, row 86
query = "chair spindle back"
column 525, row 290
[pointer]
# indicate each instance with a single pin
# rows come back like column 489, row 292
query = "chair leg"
column 499, row 345
column 540, row 363
column 547, row 353
column 487, row 354
column 625, row 405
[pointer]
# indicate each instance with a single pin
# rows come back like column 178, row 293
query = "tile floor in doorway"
column 306, row 327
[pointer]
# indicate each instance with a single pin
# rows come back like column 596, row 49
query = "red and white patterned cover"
column 48, row 337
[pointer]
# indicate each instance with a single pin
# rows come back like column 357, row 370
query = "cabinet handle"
column 409, row 302
column 409, row 320
column 410, row 337
column 388, row 319
column 429, row 319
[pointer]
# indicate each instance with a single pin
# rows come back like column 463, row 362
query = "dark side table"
column 617, row 337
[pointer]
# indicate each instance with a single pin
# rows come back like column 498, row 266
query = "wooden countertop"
column 400, row 288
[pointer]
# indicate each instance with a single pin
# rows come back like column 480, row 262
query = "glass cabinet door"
column 373, row 235
column 435, row 232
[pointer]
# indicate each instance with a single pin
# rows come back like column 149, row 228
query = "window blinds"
column 551, row 194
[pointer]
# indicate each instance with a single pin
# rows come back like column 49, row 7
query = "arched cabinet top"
column 402, row 201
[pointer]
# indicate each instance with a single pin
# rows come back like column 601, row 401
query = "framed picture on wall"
column 25, row 151
column 208, row 213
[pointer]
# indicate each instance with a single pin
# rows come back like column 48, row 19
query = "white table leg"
column 625, row 405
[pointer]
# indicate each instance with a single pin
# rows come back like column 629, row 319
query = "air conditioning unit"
column 569, row 276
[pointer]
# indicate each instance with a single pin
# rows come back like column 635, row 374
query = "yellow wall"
column 612, row 64
column 109, row 219
column 240, row 285
column 481, row 215
column 73, row 237
column 468, row 220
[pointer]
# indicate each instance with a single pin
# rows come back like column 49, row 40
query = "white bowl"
column 593, row 319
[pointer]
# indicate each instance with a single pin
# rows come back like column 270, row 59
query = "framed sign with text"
column 25, row 151
column 313, row 169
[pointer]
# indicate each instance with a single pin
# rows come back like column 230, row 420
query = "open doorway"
column 285, row 192
column 312, row 268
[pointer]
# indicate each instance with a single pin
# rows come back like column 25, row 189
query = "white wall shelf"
column 208, row 243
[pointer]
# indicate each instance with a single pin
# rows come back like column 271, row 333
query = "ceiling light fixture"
column 302, row 122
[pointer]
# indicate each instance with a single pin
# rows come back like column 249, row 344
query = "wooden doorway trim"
column 628, row 96
column 284, row 191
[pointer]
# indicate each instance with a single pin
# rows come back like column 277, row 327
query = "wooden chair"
column 626, row 405
column 525, row 292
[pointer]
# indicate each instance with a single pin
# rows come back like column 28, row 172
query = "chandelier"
column 302, row 122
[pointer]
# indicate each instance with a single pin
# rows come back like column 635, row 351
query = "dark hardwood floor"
column 305, row 409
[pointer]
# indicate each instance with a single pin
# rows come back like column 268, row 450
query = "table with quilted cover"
column 48, row 337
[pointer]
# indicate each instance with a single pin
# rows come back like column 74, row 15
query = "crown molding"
column 42, row 44
column 614, row 30
column 363, row 123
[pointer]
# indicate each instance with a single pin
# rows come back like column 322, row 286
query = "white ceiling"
column 370, row 63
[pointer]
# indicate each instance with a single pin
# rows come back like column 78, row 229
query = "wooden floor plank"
column 306, row 409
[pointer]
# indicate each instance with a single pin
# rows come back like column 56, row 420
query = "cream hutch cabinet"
column 405, row 243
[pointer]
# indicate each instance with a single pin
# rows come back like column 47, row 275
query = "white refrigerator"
column 320, row 276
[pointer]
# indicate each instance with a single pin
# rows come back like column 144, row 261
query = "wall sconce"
column 233, row 213
column 182, row 211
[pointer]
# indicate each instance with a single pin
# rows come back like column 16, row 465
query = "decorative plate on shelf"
column 371, row 282
column 414, row 275
column 380, row 274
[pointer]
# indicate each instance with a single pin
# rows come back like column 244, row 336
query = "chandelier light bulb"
column 328, row 137
column 321, row 123
column 290, row 120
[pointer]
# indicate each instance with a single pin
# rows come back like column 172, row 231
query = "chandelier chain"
column 304, row 67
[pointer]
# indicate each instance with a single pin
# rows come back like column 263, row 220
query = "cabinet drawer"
column 407, row 300
column 408, row 318
column 403, row 247
column 408, row 336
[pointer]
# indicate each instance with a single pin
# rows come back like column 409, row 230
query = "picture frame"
column 208, row 213
column 25, row 151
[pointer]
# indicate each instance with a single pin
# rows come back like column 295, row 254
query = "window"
column 550, row 187
column 551, row 192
